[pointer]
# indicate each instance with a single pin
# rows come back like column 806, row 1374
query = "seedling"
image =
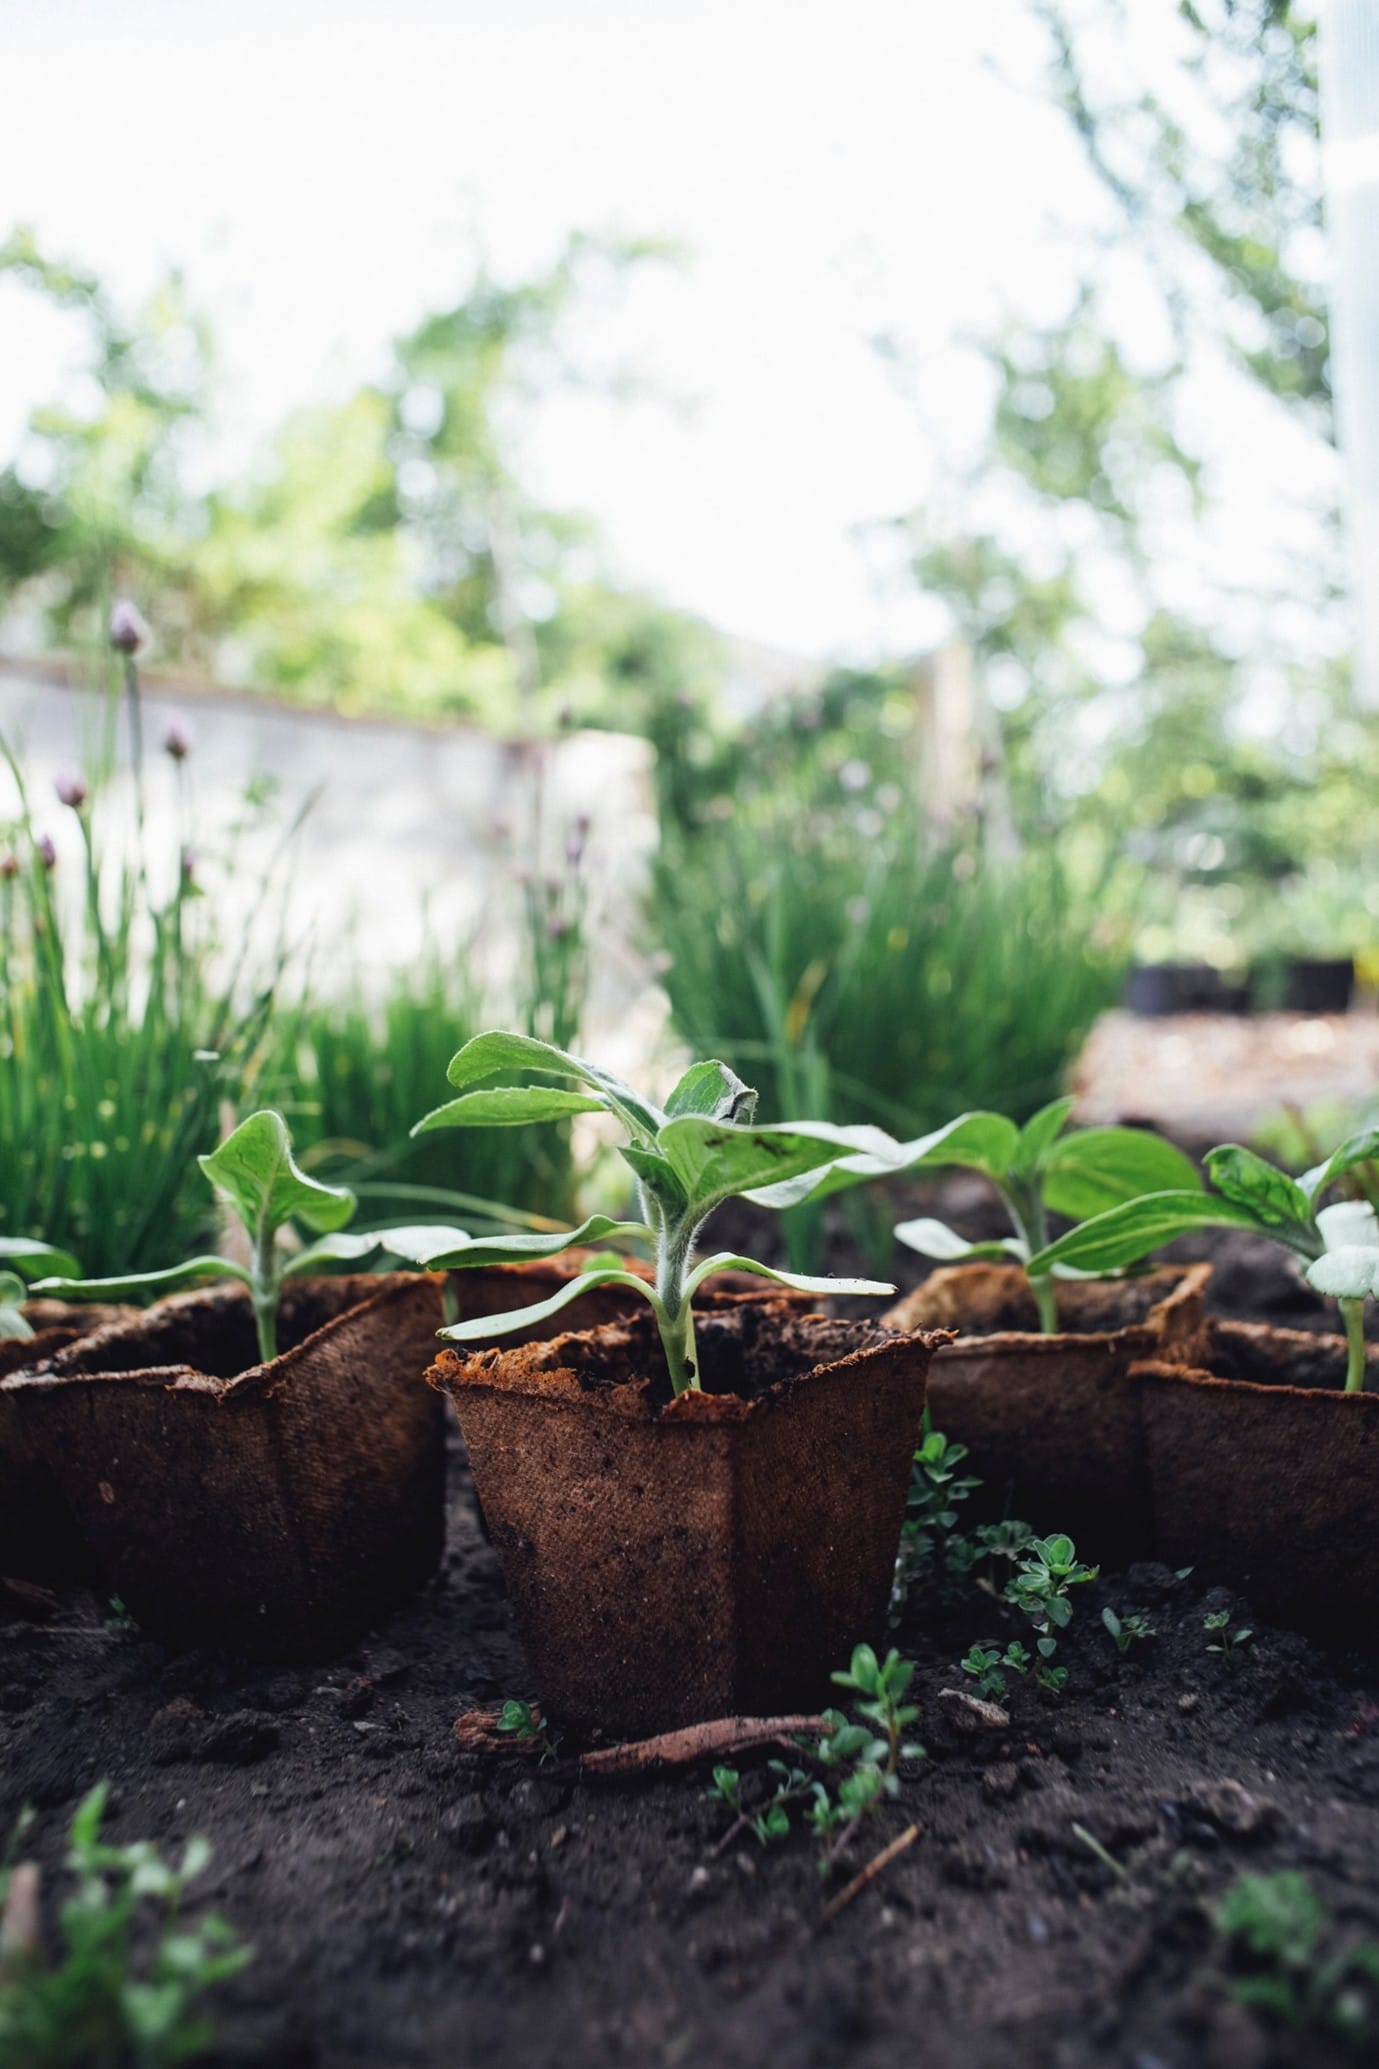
column 687, row 1157
column 1228, row 1643
column 1048, row 1568
column 1126, row 1631
column 27, row 1258
column 1038, row 1170
column 254, row 1171
column 988, row 1667
column 115, row 1993
column 523, row 1721
column 1278, row 1926
column 771, row 1820
column 938, row 1488
column 1338, row 1245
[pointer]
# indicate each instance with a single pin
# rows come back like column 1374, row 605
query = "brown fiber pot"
column 38, row 1540
column 1052, row 1422
column 1264, row 1473
column 670, row 1561
column 279, row 1510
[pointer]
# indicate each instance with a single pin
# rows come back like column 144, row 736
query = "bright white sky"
column 321, row 169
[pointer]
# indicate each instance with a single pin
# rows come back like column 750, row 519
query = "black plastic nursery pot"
column 671, row 1560
column 1052, row 1422
column 1154, row 990
column 1320, row 985
column 1264, row 1473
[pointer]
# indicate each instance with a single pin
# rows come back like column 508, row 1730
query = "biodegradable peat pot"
column 674, row 1560
column 1264, row 1473
column 39, row 1539
column 1051, row 1422
column 280, row 1509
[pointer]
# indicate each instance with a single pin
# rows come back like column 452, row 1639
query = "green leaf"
column 659, row 1179
column 14, row 1326
column 936, row 1239
column 479, row 1328
column 30, row 1257
column 715, row 1161
column 1097, row 1168
column 1111, row 1241
column 1362, row 1148
column 1276, row 1200
column 531, row 1249
column 1350, row 1272
column 979, row 1141
column 509, row 1106
column 726, row 1261
column 255, row 1170
column 132, row 1283
column 413, row 1245
column 714, row 1090
column 487, row 1054
column 1038, row 1136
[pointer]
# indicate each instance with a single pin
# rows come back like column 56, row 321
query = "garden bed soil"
column 415, row 1903
column 715, row 1554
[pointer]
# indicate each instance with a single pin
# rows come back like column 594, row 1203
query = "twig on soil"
column 989, row 1715
column 1108, row 1860
column 477, row 1732
column 864, row 1879
column 29, row 1598
column 19, row 1925
column 723, row 1735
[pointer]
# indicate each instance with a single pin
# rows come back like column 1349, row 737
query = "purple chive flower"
column 128, row 628
column 578, row 841
column 188, row 865
column 177, row 741
column 9, row 865
column 47, row 853
column 71, row 791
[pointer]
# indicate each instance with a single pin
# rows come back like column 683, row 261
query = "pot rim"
column 258, row 1381
column 499, row 1372
column 1198, row 1376
column 1190, row 1280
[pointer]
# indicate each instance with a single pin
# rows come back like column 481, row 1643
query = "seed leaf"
column 936, row 1239
column 983, row 1142
column 176, row 1275
column 413, row 1245
column 255, row 1170
column 1348, row 1273
column 799, row 1282
column 714, row 1160
column 531, row 1249
column 479, row 1328
column 29, row 1257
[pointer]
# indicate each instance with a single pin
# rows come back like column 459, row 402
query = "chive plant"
column 256, row 1174
column 1337, row 1246
column 687, row 1158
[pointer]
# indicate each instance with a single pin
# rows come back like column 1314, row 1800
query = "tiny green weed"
column 1125, row 1631
column 1228, row 1644
column 1278, row 1932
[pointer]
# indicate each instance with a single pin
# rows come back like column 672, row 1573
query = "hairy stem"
column 674, row 1314
column 1046, row 1301
column 1354, row 1313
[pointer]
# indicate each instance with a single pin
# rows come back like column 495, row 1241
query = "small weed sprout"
column 526, row 1722
column 255, row 1172
column 1125, row 1631
column 1277, row 1928
column 1228, row 1643
column 687, row 1158
column 113, row 1996
column 930, row 1544
column 770, row 1820
column 1048, row 1568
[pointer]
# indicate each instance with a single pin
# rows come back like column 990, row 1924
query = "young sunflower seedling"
column 255, row 1173
column 688, row 1157
column 1037, row 1170
column 1337, row 1246
column 1227, row 1644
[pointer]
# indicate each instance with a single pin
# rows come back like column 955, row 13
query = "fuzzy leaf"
column 659, row 1179
column 1275, row 1200
column 255, row 1170
column 1349, row 1221
column 714, row 1160
column 132, row 1283
column 29, row 1257
column 1125, row 1234
column 531, row 1249
column 508, row 1106
column 1040, row 1132
column 799, row 1282
column 1348, row 1273
column 487, row 1054
column 1097, row 1168
column 479, row 1328
column 982, row 1142
column 1361, row 1148
column 714, row 1090
column 936, row 1239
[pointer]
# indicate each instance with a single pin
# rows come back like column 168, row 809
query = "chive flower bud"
column 47, row 853
column 177, row 741
column 128, row 628
column 71, row 791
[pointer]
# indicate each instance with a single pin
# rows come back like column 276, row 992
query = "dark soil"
column 414, row 1903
